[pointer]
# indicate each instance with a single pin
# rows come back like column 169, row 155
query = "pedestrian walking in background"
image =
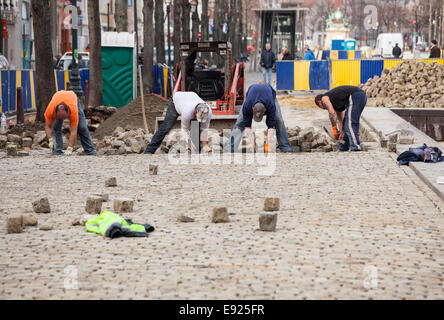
column 267, row 62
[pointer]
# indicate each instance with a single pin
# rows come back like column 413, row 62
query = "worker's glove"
column 52, row 144
column 267, row 148
column 68, row 151
column 335, row 132
column 206, row 149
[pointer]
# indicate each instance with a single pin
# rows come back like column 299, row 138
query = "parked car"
column 4, row 64
column 66, row 60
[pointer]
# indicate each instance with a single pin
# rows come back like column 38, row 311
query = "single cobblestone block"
column 393, row 138
column 23, row 153
column 27, row 142
column 185, row 219
column 335, row 147
column 271, row 204
column 14, row 224
column 76, row 222
column 14, row 138
column 3, row 141
column 296, row 149
column 306, row 146
column 153, row 169
column 40, row 137
column 30, row 221
column 123, row 205
column 406, row 140
column 94, row 204
column 46, row 227
column 104, row 196
column 111, row 182
column 219, row 214
column 41, row 206
column 11, row 150
column 391, row 147
column 384, row 143
column 267, row 221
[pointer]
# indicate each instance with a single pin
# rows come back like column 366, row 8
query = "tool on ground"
column 143, row 101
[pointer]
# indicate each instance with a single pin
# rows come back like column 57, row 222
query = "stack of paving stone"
column 311, row 140
column 410, row 84
column 124, row 141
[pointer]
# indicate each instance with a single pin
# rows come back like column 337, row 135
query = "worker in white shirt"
column 189, row 106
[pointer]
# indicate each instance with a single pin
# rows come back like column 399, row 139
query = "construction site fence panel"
column 12, row 79
column 325, row 75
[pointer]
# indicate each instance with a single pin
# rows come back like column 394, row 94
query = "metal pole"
column 169, row 35
column 107, row 16
column 75, row 75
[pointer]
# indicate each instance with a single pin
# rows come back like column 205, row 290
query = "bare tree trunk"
column 176, row 39
column 232, row 23
column 121, row 15
column 95, row 97
column 186, row 9
column 218, row 21
column 160, row 35
column 148, row 73
column 204, row 27
column 195, row 27
column 43, row 56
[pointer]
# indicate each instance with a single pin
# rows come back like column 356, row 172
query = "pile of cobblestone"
column 311, row 140
column 410, row 84
column 124, row 141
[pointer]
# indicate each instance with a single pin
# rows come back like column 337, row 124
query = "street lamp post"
column 75, row 75
column 168, row 2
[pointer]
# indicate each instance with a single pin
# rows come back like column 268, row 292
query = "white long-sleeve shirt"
column 185, row 102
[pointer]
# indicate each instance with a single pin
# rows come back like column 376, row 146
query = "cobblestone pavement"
column 351, row 225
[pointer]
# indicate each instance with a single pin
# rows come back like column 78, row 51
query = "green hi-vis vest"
column 111, row 225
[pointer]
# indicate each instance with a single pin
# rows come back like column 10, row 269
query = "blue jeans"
column 170, row 119
column 269, row 72
column 351, row 122
column 82, row 132
column 281, row 132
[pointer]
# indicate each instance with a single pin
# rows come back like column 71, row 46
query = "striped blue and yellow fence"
column 302, row 75
column 341, row 54
column 12, row 79
column 315, row 75
column 162, row 85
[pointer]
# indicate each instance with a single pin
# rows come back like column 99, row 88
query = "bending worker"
column 65, row 105
column 191, row 107
column 343, row 116
column 259, row 101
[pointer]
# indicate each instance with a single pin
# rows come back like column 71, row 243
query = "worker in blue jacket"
column 260, row 101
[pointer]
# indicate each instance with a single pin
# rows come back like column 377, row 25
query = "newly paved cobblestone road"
column 351, row 225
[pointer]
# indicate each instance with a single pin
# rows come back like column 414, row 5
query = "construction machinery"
column 221, row 86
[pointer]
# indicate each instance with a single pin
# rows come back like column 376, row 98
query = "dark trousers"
column 170, row 119
column 351, row 122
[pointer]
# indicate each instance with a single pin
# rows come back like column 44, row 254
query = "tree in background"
column 160, row 35
column 205, row 24
column 148, row 52
column 44, row 63
column 186, row 9
column 95, row 56
column 176, row 38
column 195, row 25
column 121, row 15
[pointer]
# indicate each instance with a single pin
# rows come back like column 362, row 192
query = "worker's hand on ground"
column 335, row 132
column 52, row 144
column 68, row 151
column 206, row 149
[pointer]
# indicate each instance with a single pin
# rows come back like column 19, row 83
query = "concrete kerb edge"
column 401, row 148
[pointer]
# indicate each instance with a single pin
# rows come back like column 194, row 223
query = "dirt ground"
column 297, row 101
column 132, row 115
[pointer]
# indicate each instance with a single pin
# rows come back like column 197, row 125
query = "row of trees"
column 186, row 28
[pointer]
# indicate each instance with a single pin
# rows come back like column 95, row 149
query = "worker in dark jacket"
column 260, row 100
column 267, row 62
column 435, row 52
column 343, row 116
column 396, row 51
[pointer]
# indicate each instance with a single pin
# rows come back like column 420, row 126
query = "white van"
column 386, row 42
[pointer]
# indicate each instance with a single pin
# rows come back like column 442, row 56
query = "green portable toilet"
column 119, row 68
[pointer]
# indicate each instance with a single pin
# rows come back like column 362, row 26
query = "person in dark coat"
column 287, row 55
column 267, row 62
column 435, row 52
column 396, row 51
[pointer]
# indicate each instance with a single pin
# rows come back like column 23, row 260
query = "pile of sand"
column 132, row 115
